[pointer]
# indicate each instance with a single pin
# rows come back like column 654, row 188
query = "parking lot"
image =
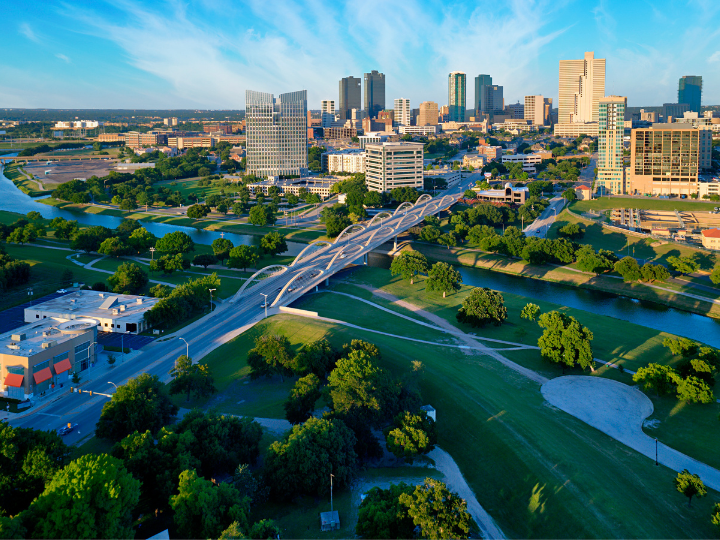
column 64, row 171
column 13, row 318
column 113, row 339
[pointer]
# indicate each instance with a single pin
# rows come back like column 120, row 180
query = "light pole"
column 211, row 304
column 265, row 303
column 187, row 347
column 115, row 385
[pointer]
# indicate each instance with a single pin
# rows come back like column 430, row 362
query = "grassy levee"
column 30, row 187
column 607, row 203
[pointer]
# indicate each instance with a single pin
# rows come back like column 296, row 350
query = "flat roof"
column 37, row 333
column 94, row 304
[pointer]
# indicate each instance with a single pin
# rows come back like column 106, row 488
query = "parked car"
column 61, row 291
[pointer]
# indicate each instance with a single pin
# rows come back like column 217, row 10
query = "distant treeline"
column 118, row 115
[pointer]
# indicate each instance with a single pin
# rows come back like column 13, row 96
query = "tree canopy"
column 175, row 242
column 438, row 512
column 565, row 341
column 129, row 278
column 410, row 435
column 409, row 264
column 690, row 485
column 443, row 277
column 381, row 515
column 482, row 306
column 189, row 378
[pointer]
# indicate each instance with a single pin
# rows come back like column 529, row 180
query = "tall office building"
column 690, row 91
column 428, row 115
column 674, row 110
column 516, row 111
column 538, row 110
column 349, row 96
column 480, row 81
column 492, row 100
column 611, row 129
column 456, row 96
column 393, row 164
column 374, row 93
column 402, row 111
column 582, row 85
column 327, row 111
column 276, row 133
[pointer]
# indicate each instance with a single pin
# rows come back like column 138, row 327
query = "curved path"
column 618, row 410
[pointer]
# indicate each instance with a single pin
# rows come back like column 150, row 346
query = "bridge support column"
column 327, row 281
column 395, row 244
column 365, row 258
column 316, row 288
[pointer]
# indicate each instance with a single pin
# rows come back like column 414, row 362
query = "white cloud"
column 715, row 57
column 28, row 32
column 63, row 57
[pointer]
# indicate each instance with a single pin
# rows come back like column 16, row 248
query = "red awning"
column 62, row 366
column 42, row 375
column 14, row 380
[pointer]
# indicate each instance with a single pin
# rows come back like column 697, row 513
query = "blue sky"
column 206, row 53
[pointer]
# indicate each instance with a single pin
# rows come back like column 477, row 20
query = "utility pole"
column 331, row 494
column 211, row 304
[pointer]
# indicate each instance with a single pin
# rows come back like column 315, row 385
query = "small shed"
column 430, row 410
column 329, row 521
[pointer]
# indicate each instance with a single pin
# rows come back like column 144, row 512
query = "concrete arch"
column 295, row 277
column 422, row 198
column 411, row 216
column 340, row 252
column 312, row 244
column 267, row 270
column 405, row 205
column 442, row 201
column 348, row 228
column 376, row 216
column 386, row 228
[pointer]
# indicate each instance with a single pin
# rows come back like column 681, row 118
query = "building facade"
column 327, row 111
column 351, row 160
column 674, row 110
column 391, row 165
column 456, row 96
column 690, row 91
column 428, row 114
column 480, row 81
column 538, row 110
column 581, row 86
column 418, row 130
column 516, row 111
column 350, row 97
column 492, row 99
column 276, row 133
column 402, row 111
column 611, row 131
column 374, row 93
column 711, row 238
column 134, row 139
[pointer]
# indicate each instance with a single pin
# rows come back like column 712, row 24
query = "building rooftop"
column 45, row 333
column 95, row 304
column 711, row 233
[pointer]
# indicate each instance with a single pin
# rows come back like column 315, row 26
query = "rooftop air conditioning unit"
column 13, row 346
column 45, row 334
column 48, row 344
column 122, row 307
column 139, row 300
column 18, row 337
column 102, row 295
column 115, row 311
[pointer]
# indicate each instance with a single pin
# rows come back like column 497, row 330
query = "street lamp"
column 211, row 304
column 187, row 347
column 115, row 385
column 265, row 303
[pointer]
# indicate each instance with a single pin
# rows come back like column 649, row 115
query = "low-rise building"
column 135, row 139
column 372, row 138
column 351, row 160
column 191, row 142
column 391, row 165
column 340, row 132
column 490, row 152
column 38, row 357
column 509, row 194
column 711, row 238
column 450, row 176
column 475, row 159
column 113, row 312
column 320, row 186
column 111, row 137
column 583, row 193
column 575, row 129
column 418, row 130
column 707, row 189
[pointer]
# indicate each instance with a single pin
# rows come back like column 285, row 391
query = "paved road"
column 588, row 173
column 540, row 226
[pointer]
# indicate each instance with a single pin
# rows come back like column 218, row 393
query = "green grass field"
column 30, row 187
column 648, row 203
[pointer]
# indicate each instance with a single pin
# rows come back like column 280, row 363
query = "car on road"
column 342, row 256
column 61, row 291
column 65, row 430
column 265, row 304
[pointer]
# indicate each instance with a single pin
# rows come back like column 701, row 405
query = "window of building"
column 60, row 357
column 41, row 366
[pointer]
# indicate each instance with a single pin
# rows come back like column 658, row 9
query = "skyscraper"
column 480, row 81
column 374, row 93
column 611, row 129
column 327, row 108
column 690, row 91
column 276, row 133
column 582, row 85
column 349, row 96
column 492, row 99
column 428, row 115
column 402, row 111
column 456, row 96
column 537, row 110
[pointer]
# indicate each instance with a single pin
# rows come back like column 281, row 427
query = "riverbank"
column 23, row 181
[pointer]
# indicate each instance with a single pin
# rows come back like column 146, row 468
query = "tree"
column 198, row 211
column 167, row 264
column 683, row 264
column 437, row 511
column 657, row 377
column 430, row 233
column 204, row 260
column 589, row 261
column 482, row 306
column 129, row 278
column 258, row 215
column 243, row 256
column 530, row 312
column 265, row 528
column 565, row 341
column 715, row 275
column 409, row 264
column 221, row 248
column 33, row 215
column 715, row 516
column 654, row 272
column 411, row 435
column 443, row 277
column 239, row 208
column 382, row 516
column 682, row 346
column 273, row 243
column 189, row 378
column 691, row 389
column 175, row 242
column 629, row 269
column 204, row 509
column 128, row 204
column 569, row 194
column 139, row 405
column 301, row 463
column 447, row 239
column 301, row 401
column 335, row 224
column 573, row 231
column 64, row 229
column 141, row 240
column 113, row 247
column 92, row 497
column 23, row 235
column 272, row 355
column 160, row 290
column 316, row 357
column 690, row 485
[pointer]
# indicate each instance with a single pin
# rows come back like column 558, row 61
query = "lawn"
column 648, row 203
column 30, row 187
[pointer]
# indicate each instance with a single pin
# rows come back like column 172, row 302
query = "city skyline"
column 100, row 54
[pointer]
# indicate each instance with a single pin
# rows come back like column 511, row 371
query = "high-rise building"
column 611, row 129
column 538, row 110
column 674, row 110
column 582, row 85
column 327, row 110
column 402, row 111
column 690, row 91
column 444, row 114
column 428, row 115
column 349, row 96
column 492, row 99
column 276, row 133
column 393, row 164
column 480, row 81
column 456, row 96
column 516, row 111
column 374, row 93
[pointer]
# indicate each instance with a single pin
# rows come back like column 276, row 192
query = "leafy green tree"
column 482, row 306
column 565, row 341
column 629, row 269
column 449, row 240
column 316, row 357
column 64, row 229
column 654, row 272
column 657, row 377
column 204, row 260
column 301, row 401
column 139, row 405
column 301, row 463
column 271, row 355
column 264, row 529
column 198, row 211
column 128, row 204
column 335, row 224
column 573, row 231
column 273, row 243
column 715, row 516
column 189, row 378
column 373, row 199
column 715, row 275
column 589, row 261
column 690, row 485
column 92, row 497
column 411, row 435
column 382, row 516
column 233, row 532
column 129, row 278
column 113, row 247
column 569, row 194
column 243, row 256
column 204, row 510
column 23, row 235
column 141, row 240
column 167, row 264
column 160, row 291
column 147, row 462
column 682, row 346
column 438, row 512
column 221, row 248
column 691, row 389
column 261, row 215
column 409, row 264
column 530, row 312
column 443, row 277
column 175, row 242
column 33, row 215
column 683, row 264
column 430, row 233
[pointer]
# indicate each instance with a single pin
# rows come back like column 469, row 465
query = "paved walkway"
column 89, row 266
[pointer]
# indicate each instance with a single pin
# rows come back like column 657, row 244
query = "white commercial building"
column 402, row 111
column 372, row 137
column 351, row 160
column 581, row 87
column 528, row 161
column 418, row 130
column 392, row 165
column 538, row 109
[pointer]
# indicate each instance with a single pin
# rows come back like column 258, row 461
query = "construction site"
column 679, row 225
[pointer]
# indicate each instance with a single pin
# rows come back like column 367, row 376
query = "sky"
column 204, row 54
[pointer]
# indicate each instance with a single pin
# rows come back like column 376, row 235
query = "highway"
column 282, row 285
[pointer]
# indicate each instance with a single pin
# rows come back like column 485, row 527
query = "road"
column 540, row 226
column 588, row 173
column 229, row 319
